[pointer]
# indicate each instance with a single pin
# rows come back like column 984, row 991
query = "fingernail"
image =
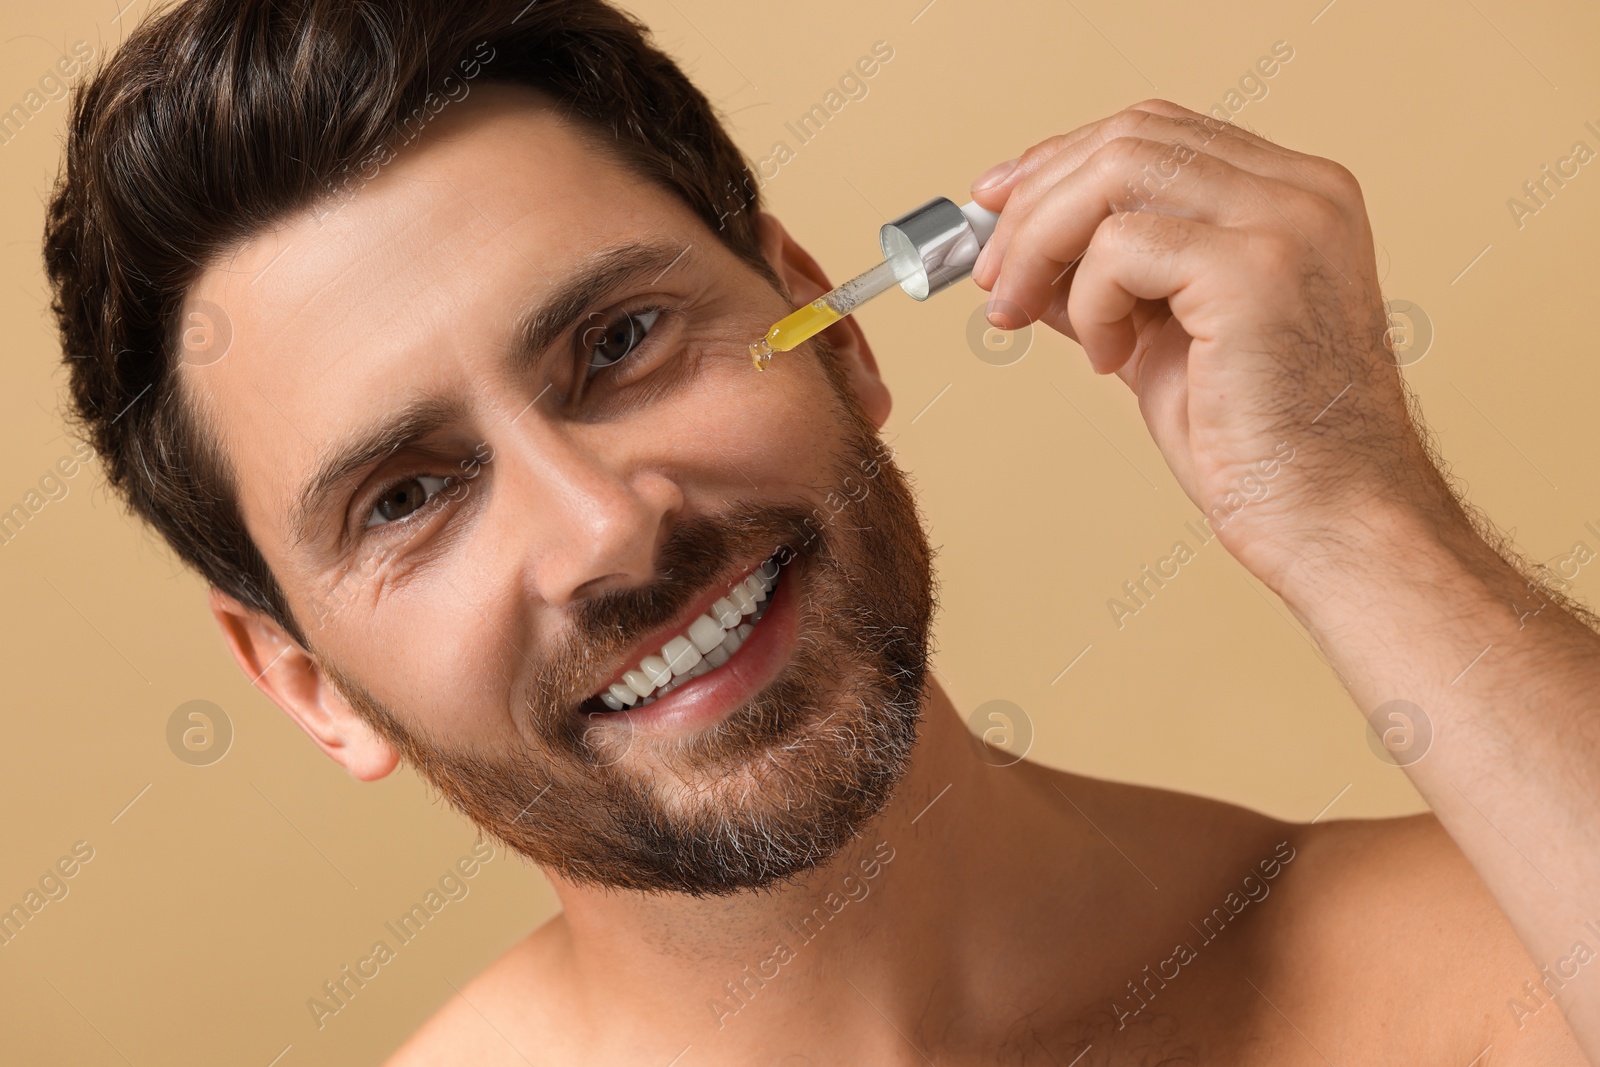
column 997, row 318
column 995, row 174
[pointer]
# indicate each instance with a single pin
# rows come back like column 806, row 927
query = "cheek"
column 761, row 435
column 429, row 649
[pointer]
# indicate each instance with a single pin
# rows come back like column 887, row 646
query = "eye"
column 608, row 343
column 405, row 498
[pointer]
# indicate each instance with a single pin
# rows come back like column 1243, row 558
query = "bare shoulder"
column 1373, row 940
column 1386, row 920
column 509, row 1013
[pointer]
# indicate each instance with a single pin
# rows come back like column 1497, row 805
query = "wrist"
column 1388, row 550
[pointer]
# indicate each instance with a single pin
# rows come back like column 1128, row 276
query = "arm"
column 1231, row 284
column 1418, row 606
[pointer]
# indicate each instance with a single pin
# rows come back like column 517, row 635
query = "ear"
column 277, row 665
column 806, row 281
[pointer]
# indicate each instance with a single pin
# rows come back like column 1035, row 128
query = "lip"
column 702, row 701
column 651, row 644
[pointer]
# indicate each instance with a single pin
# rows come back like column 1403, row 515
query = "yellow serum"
column 793, row 329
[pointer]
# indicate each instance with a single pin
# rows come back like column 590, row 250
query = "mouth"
column 707, row 643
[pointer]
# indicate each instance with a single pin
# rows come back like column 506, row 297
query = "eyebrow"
column 534, row 330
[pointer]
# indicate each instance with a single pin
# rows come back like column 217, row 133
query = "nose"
column 592, row 518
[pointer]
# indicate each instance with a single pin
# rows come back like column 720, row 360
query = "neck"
column 950, row 845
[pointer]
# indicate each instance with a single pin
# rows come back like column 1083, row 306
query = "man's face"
column 494, row 428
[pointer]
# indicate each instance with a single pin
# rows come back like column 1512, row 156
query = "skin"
column 1009, row 907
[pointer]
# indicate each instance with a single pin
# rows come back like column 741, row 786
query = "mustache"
column 697, row 553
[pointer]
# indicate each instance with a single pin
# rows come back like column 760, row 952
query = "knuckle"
column 1191, row 125
column 1323, row 217
column 1346, row 187
column 1213, row 128
column 1208, row 128
column 1156, row 105
column 1125, row 123
column 1118, row 153
column 1044, row 150
column 1340, row 176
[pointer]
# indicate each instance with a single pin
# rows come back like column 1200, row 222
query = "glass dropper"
column 925, row 251
column 805, row 323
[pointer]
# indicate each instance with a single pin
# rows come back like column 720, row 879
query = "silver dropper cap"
column 940, row 239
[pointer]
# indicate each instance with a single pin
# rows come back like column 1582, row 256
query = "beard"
column 783, row 781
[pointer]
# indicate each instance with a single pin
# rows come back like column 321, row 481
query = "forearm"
column 1423, row 610
column 1271, row 331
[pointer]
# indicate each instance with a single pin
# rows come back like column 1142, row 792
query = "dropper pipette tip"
column 806, row 321
column 761, row 354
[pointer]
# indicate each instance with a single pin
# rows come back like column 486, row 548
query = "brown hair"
column 220, row 117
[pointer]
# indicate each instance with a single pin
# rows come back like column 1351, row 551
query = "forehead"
column 397, row 288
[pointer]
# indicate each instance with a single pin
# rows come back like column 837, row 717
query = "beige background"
column 221, row 899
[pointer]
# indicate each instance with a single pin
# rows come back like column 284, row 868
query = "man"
column 420, row 331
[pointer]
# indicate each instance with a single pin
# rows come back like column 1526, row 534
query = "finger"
column 1177, row 122
column 1219, row 129
column 1022, row 273
column 1055, row 315
column 1149, row 317
column 1160, row 379
column 1309, row 172
column 1197, row 132
column 1148, row 181
column 993, row 196
column 1148, row 256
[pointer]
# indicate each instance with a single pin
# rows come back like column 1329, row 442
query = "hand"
column 1231, row 284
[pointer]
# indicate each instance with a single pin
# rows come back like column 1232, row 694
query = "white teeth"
column 639, row 683
column 680, row 655
column 707, row 644
column 706, row 633
column 655, row 668
column 727, row 613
